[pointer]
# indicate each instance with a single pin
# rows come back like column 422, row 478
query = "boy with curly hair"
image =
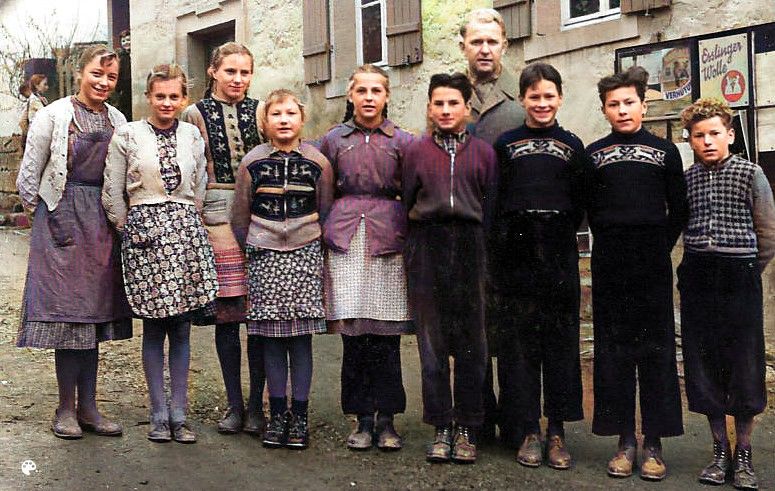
column 728, row 242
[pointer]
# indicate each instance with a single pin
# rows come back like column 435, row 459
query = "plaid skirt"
column 285, row 291
column 69, row 335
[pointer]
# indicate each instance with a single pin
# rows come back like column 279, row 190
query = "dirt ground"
column 28, row 396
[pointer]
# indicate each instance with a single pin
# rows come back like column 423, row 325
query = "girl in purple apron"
column 74, row 296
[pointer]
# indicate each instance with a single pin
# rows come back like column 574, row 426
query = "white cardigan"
column 43, row 171
column 133, row 175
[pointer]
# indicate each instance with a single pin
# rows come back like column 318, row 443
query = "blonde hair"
column 277, row 96
column 164, row 72
column 221, row 52
column 369, row 68
column 484, row 16
column 706, row 108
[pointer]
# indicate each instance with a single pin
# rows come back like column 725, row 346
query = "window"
column 371, row 40
column 583, row 12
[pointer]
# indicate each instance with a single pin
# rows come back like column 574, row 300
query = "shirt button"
column 363, row 215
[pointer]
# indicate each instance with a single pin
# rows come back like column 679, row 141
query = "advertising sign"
column 724, row 69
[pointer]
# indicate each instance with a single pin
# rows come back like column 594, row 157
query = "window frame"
column 360, row 5
column 603, row 15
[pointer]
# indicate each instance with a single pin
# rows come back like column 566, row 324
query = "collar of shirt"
column 387, row 127
column 450, row 141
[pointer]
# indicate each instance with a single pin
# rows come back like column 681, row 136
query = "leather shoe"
column 105, row 427
column 653, row 467
column 160, row 432
column 557, row 455
column 716, row 471
column 388, row 439
column 621, row 464
column 254, row 423
column 181, row 433
column 66, row 427
column 441, row 449
column 530, row 453
column 361, row 438
column 231, row 422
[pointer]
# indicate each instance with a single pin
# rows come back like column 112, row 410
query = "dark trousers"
column 371, row 375
column 445, row 265
column 536, row 275
column 632, row 301
column 723, row 334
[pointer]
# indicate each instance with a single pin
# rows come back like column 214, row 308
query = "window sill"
column 564, row 40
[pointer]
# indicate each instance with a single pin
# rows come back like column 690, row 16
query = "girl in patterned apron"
column 155, row 182
column 284, row 190
column 74, row 295
column 365, row 281
column 228, row 121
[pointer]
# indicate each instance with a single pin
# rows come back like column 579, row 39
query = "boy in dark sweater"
column 728, row 242
column 535, row 270
column 637, row 211
column 449, row 185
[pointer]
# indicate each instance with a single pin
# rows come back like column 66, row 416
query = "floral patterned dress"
column 169, row 266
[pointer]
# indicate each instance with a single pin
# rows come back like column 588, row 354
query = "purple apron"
column 74, row 273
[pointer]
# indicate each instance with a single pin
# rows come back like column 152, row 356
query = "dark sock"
column 257, row 375
column 179, row 333
column 278, row 405
column 628, row 440
column 531, row 428
column 299, row 408
column 276, row 366
column 718, row 428
column 154, row 333
column 300, row 351
column 366, row 422
column 67, row 366
column 651, row 442
column 229, row 349
column 555, row 427
column 743, row 430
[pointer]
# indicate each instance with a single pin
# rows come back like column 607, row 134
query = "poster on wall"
column 724, row 69
column 670, row 82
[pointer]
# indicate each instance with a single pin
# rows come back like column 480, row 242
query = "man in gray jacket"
column 494, row 110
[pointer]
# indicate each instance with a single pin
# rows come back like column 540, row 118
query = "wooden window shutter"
column 404, row 32
column 317, row 59
column 636, row 6
column 516, row 15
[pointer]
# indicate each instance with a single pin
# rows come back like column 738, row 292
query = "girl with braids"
column 228, row 121
column 155, row 182
column 365, row 281
column 74, row 296
column 284, row 190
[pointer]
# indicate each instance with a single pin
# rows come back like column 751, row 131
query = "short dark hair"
column 454, row 81
column 535, row 72
column 635, row 76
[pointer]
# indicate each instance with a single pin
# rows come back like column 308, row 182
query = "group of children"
column 226, row 216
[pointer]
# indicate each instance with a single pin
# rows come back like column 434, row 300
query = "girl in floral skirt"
column 155, row 181
column 284, row 188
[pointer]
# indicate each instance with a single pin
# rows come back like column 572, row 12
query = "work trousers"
column 632, row 301
column 445, row 265
column 535, row 271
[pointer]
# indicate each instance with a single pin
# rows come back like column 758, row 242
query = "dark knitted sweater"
column 541, row 169
column 637, row 181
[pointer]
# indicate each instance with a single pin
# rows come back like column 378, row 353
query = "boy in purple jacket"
column 449, row 187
